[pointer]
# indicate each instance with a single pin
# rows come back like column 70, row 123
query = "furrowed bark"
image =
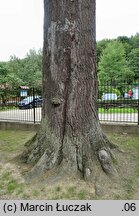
column 70, row 139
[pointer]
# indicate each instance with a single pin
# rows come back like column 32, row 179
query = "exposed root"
column 83, row 156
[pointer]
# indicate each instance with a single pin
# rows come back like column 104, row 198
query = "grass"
column 6, row 108
column 129, row 186
column 100, row 110
column 117, row 110
column 11, row 140
column 128, row 142
column 9, row 185
column 12, row 184
column 137, row 171
column 73, row 191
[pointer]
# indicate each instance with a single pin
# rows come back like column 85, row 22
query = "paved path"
column 119, row 117
column 28, row 115
column 21, row 115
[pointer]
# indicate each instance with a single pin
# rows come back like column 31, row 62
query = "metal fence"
column 18, row 105
column 119, row 102
column 116, row 103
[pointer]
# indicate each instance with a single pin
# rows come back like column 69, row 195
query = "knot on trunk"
column 87, row 172
column 103, row 156
column 56, row 101
column 105, row 161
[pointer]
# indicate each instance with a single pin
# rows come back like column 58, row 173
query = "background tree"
column 32, row 75
column 27, row 71
column 70, row 140
column 133, row 62
column 3, row 81
column 113, row 64
column 101, row 45
column 16, row 71
column 127, row 43
column 135, row 41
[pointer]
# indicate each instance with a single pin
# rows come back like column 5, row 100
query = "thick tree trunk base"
column 87, row 157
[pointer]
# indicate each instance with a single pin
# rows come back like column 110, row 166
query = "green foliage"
column 117, row 59
column 3, row 74
column 33, row 68
column 116, row 91
column 135, row 41
column 107, row 89
column 113, row 64
column 101, row 45
column 27, row 71
column 127, row 43
column 133, row 61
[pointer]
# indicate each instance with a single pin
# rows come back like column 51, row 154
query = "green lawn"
column 14, row 186
column 100, row 110
column 5, row 108
column 117, row 110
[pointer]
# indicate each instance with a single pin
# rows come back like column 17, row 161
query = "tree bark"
column 70, row 140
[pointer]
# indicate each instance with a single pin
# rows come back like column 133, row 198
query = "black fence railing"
column 116, row 103
column 119, row 102
column 21, row 105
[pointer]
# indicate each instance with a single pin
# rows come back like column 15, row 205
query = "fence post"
column 34, row 116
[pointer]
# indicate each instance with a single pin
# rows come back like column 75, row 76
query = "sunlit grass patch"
column 11, row 140
column 117, row 110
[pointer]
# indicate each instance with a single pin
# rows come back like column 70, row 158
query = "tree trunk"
column 70, row 140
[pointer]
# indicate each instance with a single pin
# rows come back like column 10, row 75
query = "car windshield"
column 28, row 99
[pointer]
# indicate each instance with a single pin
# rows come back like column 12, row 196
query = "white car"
column 135, row 93
column 109, row 96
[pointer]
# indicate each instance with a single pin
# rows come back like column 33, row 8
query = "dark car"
column 30, row 102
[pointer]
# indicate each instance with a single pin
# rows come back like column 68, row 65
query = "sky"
column 21, row 23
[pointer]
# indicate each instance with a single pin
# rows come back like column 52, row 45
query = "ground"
column 13, row 184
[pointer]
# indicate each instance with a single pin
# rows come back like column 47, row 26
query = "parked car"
column 126, row 96
column 30, row 102
column 136, row 93
column 109, row 96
